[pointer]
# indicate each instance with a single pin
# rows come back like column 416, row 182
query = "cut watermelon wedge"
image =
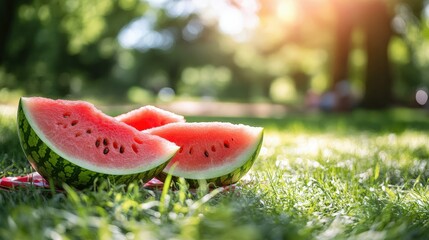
column 72, row 142
column 220, row 153
column 149, row 117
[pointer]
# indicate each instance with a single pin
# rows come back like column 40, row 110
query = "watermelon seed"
column 106, row 150
column 97, row 143
column 122, row 149
column 190, row 150
column 78, row 134
column 213, row 148
column 66, row 114
column 88, row 131
column 134, row 148
column 206, row 153
column 115, row 145
column 138, row 140
column 226, row 144
column 105, row 142
column 74, row 122
column 180, row 149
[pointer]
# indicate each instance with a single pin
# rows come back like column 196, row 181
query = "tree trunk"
column 378, row 82
column 342, row 44
column 374, row 18
column 7, row 14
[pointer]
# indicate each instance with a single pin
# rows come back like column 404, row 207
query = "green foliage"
column 71, row 49
column 362, row 175
column 60, row 46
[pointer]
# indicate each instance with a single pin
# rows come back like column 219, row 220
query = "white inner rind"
column 217, row 171
column 170, row 151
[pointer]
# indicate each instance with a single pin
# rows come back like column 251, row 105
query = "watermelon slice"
column 220, row 153
column 72, row 142
column 149, row 117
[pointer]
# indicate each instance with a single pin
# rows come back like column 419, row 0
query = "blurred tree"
column 77, row 47
column 52, row 47
column 7, row 16
column 306, row 21
column 374, row 17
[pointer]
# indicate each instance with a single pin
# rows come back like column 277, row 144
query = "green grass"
column 362, row 175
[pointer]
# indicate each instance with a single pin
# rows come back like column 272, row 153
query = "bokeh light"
column 421, row 97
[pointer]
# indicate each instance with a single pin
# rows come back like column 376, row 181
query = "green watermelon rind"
column 224, row 179
column 237, row 174
column 50, row 165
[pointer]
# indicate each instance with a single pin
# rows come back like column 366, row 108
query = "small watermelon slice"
column 149, row 117
column 218, row 152
column 73, row 142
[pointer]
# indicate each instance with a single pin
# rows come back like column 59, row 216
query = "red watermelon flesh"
column 149, row 117
column 82, row 134
column 210, row 150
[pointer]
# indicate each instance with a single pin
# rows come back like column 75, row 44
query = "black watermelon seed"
column 226, row 144
column 106, row 150
column 105, row 142
column 122, row 149
column 97, row 143
column 66, row 114
column 88, row 131
column 191, row 150
column 206, row 153
column 74, row 122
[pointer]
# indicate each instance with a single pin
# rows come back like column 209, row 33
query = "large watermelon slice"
column 220, row 153
column 149, row 117
column 72, row 142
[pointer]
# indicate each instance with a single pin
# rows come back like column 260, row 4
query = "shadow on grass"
column 388, row 121
column 245, row 215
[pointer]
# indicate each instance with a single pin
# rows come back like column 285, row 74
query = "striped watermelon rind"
column 224, row 179
column 237, row 174
column 53, row 167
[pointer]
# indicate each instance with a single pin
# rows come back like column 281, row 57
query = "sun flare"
column 286, row 11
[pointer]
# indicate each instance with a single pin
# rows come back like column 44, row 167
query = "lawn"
column 362, row 175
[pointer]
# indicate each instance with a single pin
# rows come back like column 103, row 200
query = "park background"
column 274, row 51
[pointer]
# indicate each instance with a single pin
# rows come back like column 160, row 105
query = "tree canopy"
column 271, row 50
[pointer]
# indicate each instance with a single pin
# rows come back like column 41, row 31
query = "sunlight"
column 236, row 18
column 139, row 34
column 233, row 18
column 287, row 11
column 231, row 21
